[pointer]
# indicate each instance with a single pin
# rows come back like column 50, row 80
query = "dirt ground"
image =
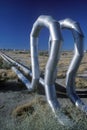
column 14, row 94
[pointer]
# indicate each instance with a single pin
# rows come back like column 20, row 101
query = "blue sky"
column 18, row 16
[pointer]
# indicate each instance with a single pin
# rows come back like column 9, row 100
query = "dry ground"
column 62, row 67
column 20, row 109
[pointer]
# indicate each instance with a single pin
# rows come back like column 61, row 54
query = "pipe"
column 41, row 80
column 73, row 67
column 24, row 80
column 53, row 26
column 50, row 71
column 4, row 58
column 25, row 69
column 63, row 119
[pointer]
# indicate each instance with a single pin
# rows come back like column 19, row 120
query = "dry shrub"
column 7, row 74
column 20, row 112
column 11, row 74
column 3, row 75
column 81, row 83
column 61, row 75
column 4, row 64
column 82, row 68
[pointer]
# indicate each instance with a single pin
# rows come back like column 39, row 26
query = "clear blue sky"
column 18, row 16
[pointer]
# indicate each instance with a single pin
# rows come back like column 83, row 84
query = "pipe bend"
column 71, row 24
column 73, row 67
column 50, row 23
column 54, row 29
column 78, row 54
column 39, row 23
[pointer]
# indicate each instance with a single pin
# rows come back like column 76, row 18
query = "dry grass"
column 7, row 74
column 29, row 108
column 81, row 83
column 64, row 61
column 61, row 75
column 62, row 66
column 36, row 115
column 20, row 112
column 5, row 71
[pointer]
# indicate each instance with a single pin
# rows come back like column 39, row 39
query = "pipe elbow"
column 48, row 22
column 66, row 23
column 76, row 27
column 71, row 24
column 45, row 18
column 34, row 84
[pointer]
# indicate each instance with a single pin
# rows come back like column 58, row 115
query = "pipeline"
column 74, row 27
column 26, row 70
column 60, row 89
column 55, row 42
column 53, row 26
column 23, row 79
column 7, row 58
column 73, row 67
column 50, row 71
column 13, row 62
column 61, row 92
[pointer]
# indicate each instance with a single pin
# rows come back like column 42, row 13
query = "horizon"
column 18, row 16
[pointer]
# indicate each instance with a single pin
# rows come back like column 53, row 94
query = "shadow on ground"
column 15, row 86
column 11, row 86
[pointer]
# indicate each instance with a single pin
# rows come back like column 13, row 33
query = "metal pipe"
column 26, row 71
column 4, row 58
column 63, row 119
column 75, row 63
column 53, row 26
column 13, row 62
column 24, row 80
column 50, row 71
column 73, row 67
column 41, row 80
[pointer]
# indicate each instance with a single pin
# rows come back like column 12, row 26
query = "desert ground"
column 20, row 109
